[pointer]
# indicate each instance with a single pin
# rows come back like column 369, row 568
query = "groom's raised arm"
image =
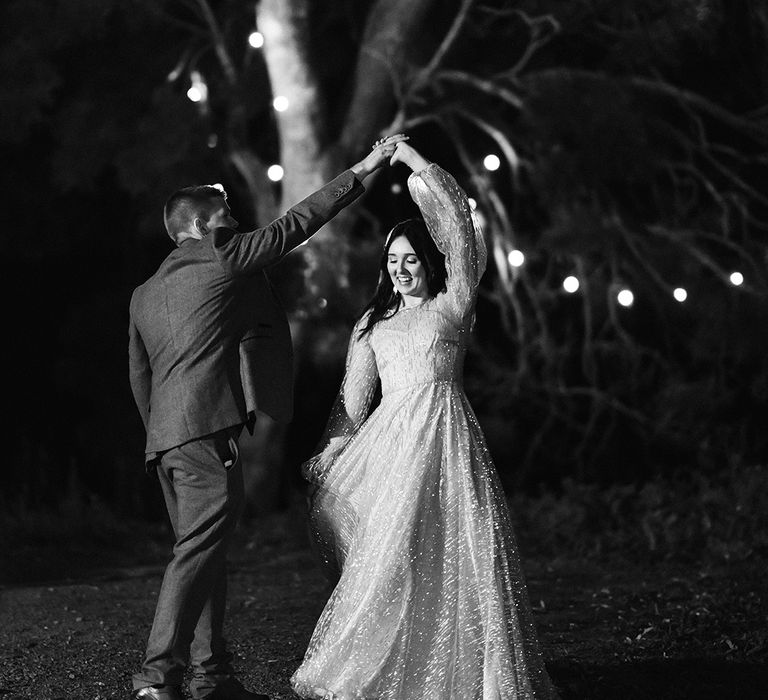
column 244, row 252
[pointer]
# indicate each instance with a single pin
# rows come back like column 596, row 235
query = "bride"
column 407, row 510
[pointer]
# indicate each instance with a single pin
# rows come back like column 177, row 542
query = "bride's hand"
column 316, row 468
column 404, row 153
column 380, row 153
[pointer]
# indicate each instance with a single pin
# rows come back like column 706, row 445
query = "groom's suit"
column 208, row 345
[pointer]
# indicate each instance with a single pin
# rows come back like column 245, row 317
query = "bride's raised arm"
column 455, row 230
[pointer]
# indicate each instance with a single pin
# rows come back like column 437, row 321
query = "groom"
column 208, row 344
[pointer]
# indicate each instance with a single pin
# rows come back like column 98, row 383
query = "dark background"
column 639, row 145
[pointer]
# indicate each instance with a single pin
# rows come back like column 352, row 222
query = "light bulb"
column 571, row 284
column 491, row 162
column 625, row 297
column 275, row 172
column 516, row 258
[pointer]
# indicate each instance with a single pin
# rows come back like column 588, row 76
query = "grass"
column 639, row 591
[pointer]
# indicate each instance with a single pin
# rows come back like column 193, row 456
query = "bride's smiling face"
column 405, row 269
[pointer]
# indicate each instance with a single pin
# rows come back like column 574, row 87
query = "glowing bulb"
column 625, row 297
column 198, row 92
column 472, row 203
column 256, row 40
column 491, row 162
column 737, row 279
column 275, row 172
column 516, row 258
column 280, row 103
column 571, row 284
column 396, row 188
column 680, row 294
column 213, row 141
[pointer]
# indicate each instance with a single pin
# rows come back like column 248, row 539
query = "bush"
column 711, row 518
column 80, row 535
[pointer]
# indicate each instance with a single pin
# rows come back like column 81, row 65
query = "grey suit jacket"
column 208, row 341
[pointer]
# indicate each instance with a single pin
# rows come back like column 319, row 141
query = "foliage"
column 80, row 535
column 700, row 520
column 626, row 166
column 694, row 519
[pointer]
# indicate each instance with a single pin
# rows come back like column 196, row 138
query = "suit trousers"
column 202, row 482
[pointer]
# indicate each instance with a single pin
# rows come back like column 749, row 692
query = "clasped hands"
column 392, row 149
column 383, row 150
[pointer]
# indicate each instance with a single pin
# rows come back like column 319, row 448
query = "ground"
column 610, row 628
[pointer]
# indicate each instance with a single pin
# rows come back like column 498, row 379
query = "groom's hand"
column 382, row 151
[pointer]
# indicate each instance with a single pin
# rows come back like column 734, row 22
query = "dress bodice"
column 416, row 346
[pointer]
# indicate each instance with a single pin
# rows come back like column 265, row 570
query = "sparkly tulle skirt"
column 430, row 600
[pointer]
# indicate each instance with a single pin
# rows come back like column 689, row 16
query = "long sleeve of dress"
column 352, row 403
column 457, row 234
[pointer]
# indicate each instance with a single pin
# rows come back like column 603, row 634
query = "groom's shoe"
column 162, row 692
column 232, row 689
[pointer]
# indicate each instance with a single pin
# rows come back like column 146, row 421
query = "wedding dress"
column 408, row 510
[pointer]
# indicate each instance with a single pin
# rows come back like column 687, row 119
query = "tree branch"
column 219, row 43
column 489, row 87
column 456, row 26
column 391, row 28
column 508, row 150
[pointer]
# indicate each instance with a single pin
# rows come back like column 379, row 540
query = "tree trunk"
column 310, row 157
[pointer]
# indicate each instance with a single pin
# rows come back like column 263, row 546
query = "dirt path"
column 610, row 630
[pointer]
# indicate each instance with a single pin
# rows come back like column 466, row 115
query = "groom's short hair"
column 189, row 203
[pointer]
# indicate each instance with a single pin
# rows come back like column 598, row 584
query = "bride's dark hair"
column 385, row 299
